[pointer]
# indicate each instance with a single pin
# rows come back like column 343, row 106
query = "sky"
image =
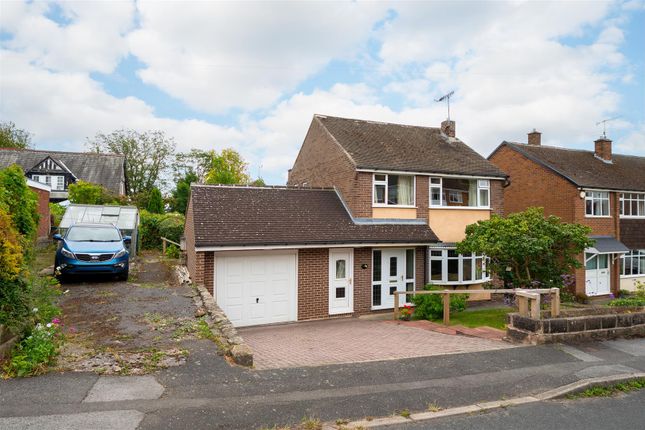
column 251, row 75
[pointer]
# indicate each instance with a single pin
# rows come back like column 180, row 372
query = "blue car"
column 92, row 249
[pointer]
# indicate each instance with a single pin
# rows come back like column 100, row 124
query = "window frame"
column 473, row 258
column 482, row 184
column 384, row 183
column 634, row 254
column 640, row 197
column 590, row 195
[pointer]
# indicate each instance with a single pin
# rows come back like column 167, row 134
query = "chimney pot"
column 448, row 128
column 603, row 149
column 535, row 138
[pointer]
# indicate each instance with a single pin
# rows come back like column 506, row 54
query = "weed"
column 609, row 390
column 405, row 413
column 158, row 321
column 341, row 422
column 106, row 293
column 434, row 407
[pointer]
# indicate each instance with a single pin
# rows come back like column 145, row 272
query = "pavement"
column 206, row 392
column 354, row 340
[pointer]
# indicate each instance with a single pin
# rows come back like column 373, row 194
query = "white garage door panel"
column 257, row 289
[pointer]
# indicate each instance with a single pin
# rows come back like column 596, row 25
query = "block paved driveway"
column 352, row 340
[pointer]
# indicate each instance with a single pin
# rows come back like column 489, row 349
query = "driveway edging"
column 233, row 344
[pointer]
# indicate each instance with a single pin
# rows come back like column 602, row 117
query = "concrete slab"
column 635, row 347
column 580, row 355
column 116, row 388
column 608, row 370
column 108, row 420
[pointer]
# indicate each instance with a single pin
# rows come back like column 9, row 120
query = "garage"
column 257, row 288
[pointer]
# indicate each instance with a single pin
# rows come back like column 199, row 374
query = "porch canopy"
column 607, row 245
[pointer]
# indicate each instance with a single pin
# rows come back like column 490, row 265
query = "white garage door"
column 257, row 288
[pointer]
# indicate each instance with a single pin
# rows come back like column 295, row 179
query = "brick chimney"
column 448, row 128
column 603, row 149
column 535, row 138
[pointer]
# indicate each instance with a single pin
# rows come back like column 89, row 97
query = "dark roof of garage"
column 274, row 216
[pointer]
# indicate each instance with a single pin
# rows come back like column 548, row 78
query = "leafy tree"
column 259, row 182
column 155, row 202
column 20, row 202
column 527, row 248
column 13, row 137
column 228, row 167
column 87, row 193
column 195, row 162
column 147, row 155
column 181, row 193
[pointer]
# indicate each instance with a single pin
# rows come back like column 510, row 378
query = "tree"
column 228, row 167
column 181, row 193
column 155, row 202
column 528, row 249
column 87, row 193
column 20, row 202
column 147, row 155
column 13, row 137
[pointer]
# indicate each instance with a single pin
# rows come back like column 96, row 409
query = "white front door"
column 341, row 273
column 256, row 288
column 393, row 270
column 597, row 274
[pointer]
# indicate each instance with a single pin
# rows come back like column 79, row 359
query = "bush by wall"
column 19, row 201
column 155, row 226
column 430, row 306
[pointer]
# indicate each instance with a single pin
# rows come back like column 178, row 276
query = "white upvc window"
column 633, row 263
column 447, row 267
column 597, row 203
column 459, row 192
column 393, row 190
column 632, row 205
column 57, row 183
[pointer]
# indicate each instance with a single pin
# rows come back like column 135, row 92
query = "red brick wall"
column 313, row 283
column 189, row 235
column 532, row 185
column 497, row 197
column 420, row 267
column 422, row 196
column 44, row 223
column 362, row 280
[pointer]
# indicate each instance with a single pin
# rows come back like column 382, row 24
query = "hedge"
column 153, row 227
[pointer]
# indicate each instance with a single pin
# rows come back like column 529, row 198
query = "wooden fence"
column 529, row 301
column 163, row 244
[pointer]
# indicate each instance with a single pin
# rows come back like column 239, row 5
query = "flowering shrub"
column 406, row 312
column 36, row 351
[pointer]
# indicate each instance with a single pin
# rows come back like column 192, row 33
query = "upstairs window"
column 597, row 203
column 393, row 190
column 57, row 183
column 632, row 205
column 459, row 192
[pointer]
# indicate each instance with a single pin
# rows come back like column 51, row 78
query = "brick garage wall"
column 205, row 270
column 321, row 162
column 313, row 283
column 44, row 223
column 532, row 185
column 189, row 235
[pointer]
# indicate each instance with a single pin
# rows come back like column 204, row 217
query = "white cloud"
column 215, row 55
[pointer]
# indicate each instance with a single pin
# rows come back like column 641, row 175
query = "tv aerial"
column 604, row 125
column 447, row 99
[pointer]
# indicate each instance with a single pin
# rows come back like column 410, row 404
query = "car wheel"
column 123, row 276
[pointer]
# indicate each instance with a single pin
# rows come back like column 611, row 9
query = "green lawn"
column 495, row 318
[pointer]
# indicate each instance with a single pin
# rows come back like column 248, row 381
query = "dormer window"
column 393, row 190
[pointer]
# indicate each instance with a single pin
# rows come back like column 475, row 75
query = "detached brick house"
column 370, row 208
column 60, row 169
column 602, row 190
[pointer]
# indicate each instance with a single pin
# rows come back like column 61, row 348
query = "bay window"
column 633, row 263
column 597, row 203
column 447, row 267
column 393, row 190
column 459, row 192
column 632, row 205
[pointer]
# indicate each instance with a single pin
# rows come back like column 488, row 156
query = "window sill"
column 632, row 217
column 632, row 276
column 457, row 283
column 463, row 208
column 377, row 205
column 598, row 216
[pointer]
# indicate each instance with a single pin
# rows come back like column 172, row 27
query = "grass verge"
column 609, row 390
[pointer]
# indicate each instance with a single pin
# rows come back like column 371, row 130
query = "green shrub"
column 57, row 211
column 430, row 306
column 20, row 202
column 153, row 227
column 35, row 352
column 630, row 301
column 86, row 193
column 173, row 251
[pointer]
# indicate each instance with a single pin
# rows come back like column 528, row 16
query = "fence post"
column 396, row 306
column 555, row 302
column 446, row 308
column 535, row 307
column 523, row 305
column 163, row 245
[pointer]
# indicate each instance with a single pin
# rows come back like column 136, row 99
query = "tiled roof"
column 584, row 169
column 398, row 147
column 253, row 216
column 104, row 169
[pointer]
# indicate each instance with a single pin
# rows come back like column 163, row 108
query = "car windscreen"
column 93, row 234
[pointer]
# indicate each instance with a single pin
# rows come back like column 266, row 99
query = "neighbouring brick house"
column 370, row 208
column 59, row 169
column 602, row 190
